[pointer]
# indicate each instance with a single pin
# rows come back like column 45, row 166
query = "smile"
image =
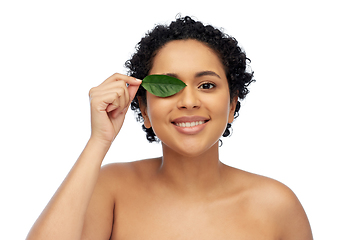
column 189, row 124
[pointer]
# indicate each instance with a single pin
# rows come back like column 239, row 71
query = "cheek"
column 219, row 105
column 151, row 110
column 157, row 108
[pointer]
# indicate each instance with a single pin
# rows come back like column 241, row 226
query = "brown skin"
column 243, row 206
column 186, row 194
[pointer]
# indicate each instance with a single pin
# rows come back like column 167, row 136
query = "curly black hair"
column 232, row 56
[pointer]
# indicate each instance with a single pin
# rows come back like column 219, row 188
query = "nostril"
column 188, row 100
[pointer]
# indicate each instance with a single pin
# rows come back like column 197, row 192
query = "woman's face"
column 191, row 121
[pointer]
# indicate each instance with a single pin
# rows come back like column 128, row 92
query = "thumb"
column 133, row 88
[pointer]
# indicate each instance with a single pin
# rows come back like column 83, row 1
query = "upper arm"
column 99, row 215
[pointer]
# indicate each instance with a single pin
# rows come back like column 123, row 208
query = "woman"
column 187, row 193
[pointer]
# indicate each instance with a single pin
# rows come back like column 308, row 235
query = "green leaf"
column 162, row 85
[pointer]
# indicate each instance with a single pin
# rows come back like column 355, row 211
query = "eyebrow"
column 207, row 73
column 198, row 74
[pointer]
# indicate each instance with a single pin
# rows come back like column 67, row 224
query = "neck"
column 200, row 173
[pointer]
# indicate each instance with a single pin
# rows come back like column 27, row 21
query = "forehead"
column 186, row 56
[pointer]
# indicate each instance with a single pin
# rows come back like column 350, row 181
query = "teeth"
column 189, row 124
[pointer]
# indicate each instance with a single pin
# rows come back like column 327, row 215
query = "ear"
column 232, row 109
column 144, row 114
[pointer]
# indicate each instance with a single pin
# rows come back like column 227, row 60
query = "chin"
column 191, row 149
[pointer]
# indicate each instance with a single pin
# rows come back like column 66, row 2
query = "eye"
column 207, row 86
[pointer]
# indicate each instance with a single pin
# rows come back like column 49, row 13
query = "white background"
column 299, row 124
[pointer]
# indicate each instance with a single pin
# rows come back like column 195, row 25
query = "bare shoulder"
column 125, row 173
column 276, row 202
column 270, row 191
column 136, row 167
column 114, row 180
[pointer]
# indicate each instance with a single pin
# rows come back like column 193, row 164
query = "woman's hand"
column 64, row 216
column 109, row 103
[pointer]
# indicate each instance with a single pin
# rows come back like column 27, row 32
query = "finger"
column 121, row 109
column 122, row 93
column 101, row 103
column 129, row 93
column 120, row 102
column 121, row 77
column 116, row 103
column 132, row 89
column 119, row 87
column 111, row 85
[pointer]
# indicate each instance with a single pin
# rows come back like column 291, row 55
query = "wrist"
column 94, row 151
column 100, row 144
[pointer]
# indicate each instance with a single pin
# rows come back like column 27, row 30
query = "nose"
column 188, row 99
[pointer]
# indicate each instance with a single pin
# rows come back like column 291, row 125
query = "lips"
column 194, row 120
column 190, row 124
